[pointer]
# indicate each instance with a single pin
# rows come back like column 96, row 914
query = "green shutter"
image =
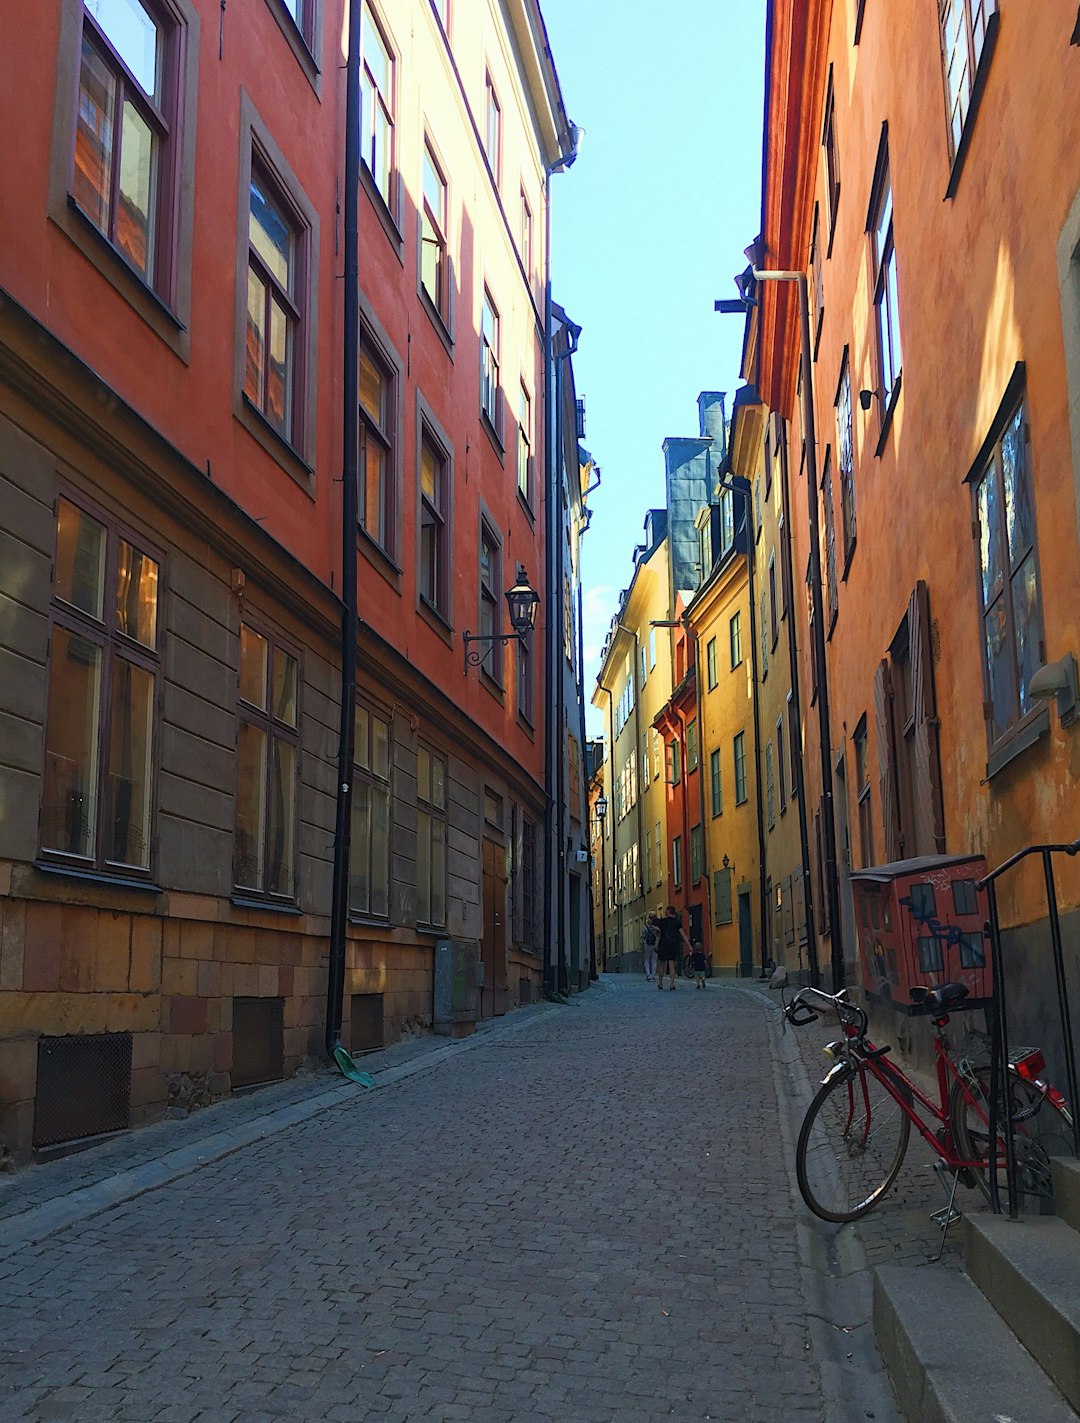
column 722, row 896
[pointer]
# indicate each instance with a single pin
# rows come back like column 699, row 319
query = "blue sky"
column 648, row 228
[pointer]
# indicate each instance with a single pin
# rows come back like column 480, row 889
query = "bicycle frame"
column 940, row 1139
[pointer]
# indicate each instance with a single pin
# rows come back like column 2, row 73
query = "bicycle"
column 856, row 1130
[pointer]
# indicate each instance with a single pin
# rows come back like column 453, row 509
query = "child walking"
column 698, row 963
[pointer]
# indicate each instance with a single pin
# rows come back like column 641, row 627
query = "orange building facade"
column 935, row 212
column 171, row 330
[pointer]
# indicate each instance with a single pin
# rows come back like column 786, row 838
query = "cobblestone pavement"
column 588, row 1219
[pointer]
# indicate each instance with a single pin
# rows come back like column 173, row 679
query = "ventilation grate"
column 366, row 1017
column 258, row 1041
column 83, row 1086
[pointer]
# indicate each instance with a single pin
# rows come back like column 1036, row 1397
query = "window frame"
column 711, row 676
column 861, row 747
column 525, row 447
column 832, row 162
column 436, row 814
column 438, row 303
column 526, row 235
column 275, row 730
column 490, row 597
column 384, row 430
column 884, row 286
column 493, row 136
column 978, row 56
column 278, row 295
column 676, row 862
column 389, row 198
column 735, row 639
column 742, row 794
column 303, row 37
column 781, row 764
column 691, row 745
column 845, row 460
column 716, row 783
column 114, row 644
column 829, row 532
column 364, row 774
column 1023, row 727
column 490, row 349
column 436, row 512
column 697, row 853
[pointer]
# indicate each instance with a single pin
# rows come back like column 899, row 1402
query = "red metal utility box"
column 922, row 922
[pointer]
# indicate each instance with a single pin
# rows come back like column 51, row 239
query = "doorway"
column 746, row 935
column 493, row 994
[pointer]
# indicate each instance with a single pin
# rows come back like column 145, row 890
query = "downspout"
column 563, row 977
column 593, row 974
column 795, row 751
column 637, row 749
column 763, row 893
column 339, row 906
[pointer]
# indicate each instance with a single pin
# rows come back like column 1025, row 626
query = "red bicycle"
column 856, row 1130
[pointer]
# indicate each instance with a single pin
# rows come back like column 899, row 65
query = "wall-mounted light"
column 1057, row 680
column 522, row 600
column 866, row 398
column 601, row 807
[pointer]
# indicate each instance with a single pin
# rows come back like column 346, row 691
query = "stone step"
column 1029, row 1270
column 951, row 1357
column 1067, row 1190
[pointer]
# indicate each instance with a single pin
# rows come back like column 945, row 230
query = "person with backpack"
column 650, row 939
column 672, row 937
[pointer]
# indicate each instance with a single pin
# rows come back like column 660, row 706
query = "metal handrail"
column 999, row 1054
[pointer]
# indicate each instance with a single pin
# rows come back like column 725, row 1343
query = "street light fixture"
column 522, row 600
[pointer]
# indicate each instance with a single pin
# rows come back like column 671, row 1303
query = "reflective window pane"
column 380, row 850
column 285, row 679
column 255, row 339
column 438, row 783
column 423, row 773
column 372, row 389
column 271, row 235
column 380, row 747
column 281, row 821
column 279, row 381
column 360, row 857
column 80, row 560
column 1020, row 518
column 373, row 509
column 375, row 54
column 138, row 182
column 990, row 559
column 127, row 784
column 254, row 652
column 361, row 752
column 250, row 804
column 94, row 137
column 1026, row 622
column 1002, row 697
column 136, row 595
column 430, row 482
column 135, row 37
column 69, row 797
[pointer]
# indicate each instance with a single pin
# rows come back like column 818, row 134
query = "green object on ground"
column 350, row 1070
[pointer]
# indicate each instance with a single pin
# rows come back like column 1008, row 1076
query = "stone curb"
column 31, row 1226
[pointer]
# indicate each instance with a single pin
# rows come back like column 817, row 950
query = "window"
column 862, row 790
column 676, row 761
column 434, row 490
column 696, row 857
column 526, row 235
column 645, row 773
column 710, row 662
column 569, row 641
column 757, row 508
column 770, row 785
column 740, row 768
column 676, row 862
column 266, row 756
column 302, row 13
column 845, row 458
column 377, row 106
column 378, row 405
column 727, row 519
column 442, row 9
column 573, row 763
column 644, row 667
column 369, row 859
column 781, row 770
column 492, row 128
column 524, row 448
column 817, row 277
column 1010, row 603
column 652, row 648
column 828, row 530
column 276, row 253
column 832, row 159
column 125, row 132
column 795, row 744
column 655, row 741
column 430, row 838
column 735, row 638
column 716, row 783
column 883, row 265
column 763, row 634
column 659, row 856
column 490, row 585
column 434, row 257
column 103, row 663
column 964, row 28
column 774, row 615
column 691, row 746
column 489, row 361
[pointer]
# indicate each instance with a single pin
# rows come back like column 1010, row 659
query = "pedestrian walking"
column 698, row 963
column 650, row 940
column 672, row 936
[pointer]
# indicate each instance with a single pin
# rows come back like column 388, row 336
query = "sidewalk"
column 42, row 1199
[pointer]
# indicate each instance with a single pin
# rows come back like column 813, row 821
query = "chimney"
column 711, row 418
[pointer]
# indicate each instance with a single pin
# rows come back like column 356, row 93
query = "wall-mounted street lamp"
column 522, row 600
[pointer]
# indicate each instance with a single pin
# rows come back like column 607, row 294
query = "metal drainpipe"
column 563, row 978
column 585, row 779
column 795, row 751
column 763, row 892
column 637, row 748
column 339, row 907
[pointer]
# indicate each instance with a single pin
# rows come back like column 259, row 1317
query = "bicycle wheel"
column 687, row 967
column 1041, row 1130
column 851, row 1145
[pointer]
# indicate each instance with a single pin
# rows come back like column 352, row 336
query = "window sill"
column 298, row 43
column 493, row 435
column 432, row 931
column 833, row 205
column 849, row 554
column 102, row 877
column 379, row 559
column 1019, row 740
column 382, row 212
column 435, row 620
column 887, row 417
column 273, row 906
column 368, row 921
column 526, row 725
column 276, row 445
column 116, row 268
column 993, row 24
column 494, row 687
column 526, row 507
column 435, row 316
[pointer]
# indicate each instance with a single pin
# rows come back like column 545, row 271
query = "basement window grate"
column 258, row 1041
column 366, row 1019
column 83, row 1087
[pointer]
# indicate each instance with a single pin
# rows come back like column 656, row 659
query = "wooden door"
column 493, row 994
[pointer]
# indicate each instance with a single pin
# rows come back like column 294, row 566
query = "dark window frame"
column 384, row 431
column 861, row 746
column 440, row 301
column 436, row 815
column 388, row 106
column 979, row 52
column 489, row 602
column 434, row 513
column 710, row 664
column 884, row 287
column 716, row 783
column 490, row 366
column 742, row 794
column 845, row 460
column 365, row 774
column 832, row 162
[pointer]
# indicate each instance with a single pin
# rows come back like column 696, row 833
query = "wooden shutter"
column 926, row 791
column 890, row 800
column 722, row 896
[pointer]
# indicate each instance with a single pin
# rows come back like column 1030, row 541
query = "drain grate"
column 83, row 1086
column 258, row 1041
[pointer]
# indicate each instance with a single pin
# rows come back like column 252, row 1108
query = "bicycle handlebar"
column 799, row 1011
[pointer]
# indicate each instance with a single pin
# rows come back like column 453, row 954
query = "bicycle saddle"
column 943, row 998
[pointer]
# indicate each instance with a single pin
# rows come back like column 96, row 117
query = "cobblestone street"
column 587, row 1219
